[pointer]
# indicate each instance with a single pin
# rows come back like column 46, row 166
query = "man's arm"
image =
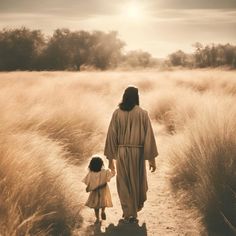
column 111, row 165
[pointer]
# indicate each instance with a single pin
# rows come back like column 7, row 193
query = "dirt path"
column 160, row 216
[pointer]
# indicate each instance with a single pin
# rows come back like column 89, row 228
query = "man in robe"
column 130, row 141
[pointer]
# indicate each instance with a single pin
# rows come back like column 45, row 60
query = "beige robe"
column 98, row 197
column 130, row 140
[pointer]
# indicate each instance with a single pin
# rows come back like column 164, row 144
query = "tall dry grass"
column 34, row 198
column 203, row 164
column 46, row 126
column 173, row 108
column 51, row 122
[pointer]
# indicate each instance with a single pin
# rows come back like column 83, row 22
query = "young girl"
column 96, row 181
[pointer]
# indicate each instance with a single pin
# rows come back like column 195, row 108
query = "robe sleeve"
column 150, row 148
column 111, row 144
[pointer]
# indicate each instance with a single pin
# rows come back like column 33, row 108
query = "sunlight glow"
column 133, row 10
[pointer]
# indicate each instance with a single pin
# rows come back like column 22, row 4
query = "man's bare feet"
column 97, row 221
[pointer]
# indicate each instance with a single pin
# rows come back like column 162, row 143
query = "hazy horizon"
column 159, row 27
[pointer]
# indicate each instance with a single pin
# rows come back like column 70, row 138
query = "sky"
column 157, row 26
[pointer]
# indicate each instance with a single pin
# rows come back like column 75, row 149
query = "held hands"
column 152, row 165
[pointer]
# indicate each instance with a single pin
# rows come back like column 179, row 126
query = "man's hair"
column 130, row 99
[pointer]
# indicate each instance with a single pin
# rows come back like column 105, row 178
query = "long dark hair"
column 130, row 99
column 96, row 164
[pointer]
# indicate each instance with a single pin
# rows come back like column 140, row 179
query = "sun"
column 133, row 10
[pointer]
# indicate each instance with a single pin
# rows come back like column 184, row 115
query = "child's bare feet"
column 103, row 215
column 133, row 220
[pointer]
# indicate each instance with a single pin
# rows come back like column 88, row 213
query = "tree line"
column 25, row 49
column 213, row 55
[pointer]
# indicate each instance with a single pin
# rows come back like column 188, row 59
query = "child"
column 96, row 181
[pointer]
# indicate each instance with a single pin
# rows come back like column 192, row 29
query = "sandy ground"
column 160, row 216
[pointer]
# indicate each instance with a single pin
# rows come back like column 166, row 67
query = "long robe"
column 130, row 141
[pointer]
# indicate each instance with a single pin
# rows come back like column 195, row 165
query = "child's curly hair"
column 96, row 164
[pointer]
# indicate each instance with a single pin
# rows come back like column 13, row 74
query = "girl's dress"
column 99, row 196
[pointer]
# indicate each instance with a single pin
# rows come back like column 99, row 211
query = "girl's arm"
column 98, row 187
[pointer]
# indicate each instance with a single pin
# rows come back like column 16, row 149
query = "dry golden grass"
column 33, row 175
column 203, row 164
column 51, row 121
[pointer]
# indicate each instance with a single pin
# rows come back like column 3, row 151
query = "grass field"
column 53, row 121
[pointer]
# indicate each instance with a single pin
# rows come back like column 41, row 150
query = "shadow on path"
column 122, row 228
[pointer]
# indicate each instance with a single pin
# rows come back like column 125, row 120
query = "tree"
column 19, row 48
column 71, row 50
column 214, row 55
column 178, row 58
column 138, row 58
column 57, row 55
column 106, row 49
